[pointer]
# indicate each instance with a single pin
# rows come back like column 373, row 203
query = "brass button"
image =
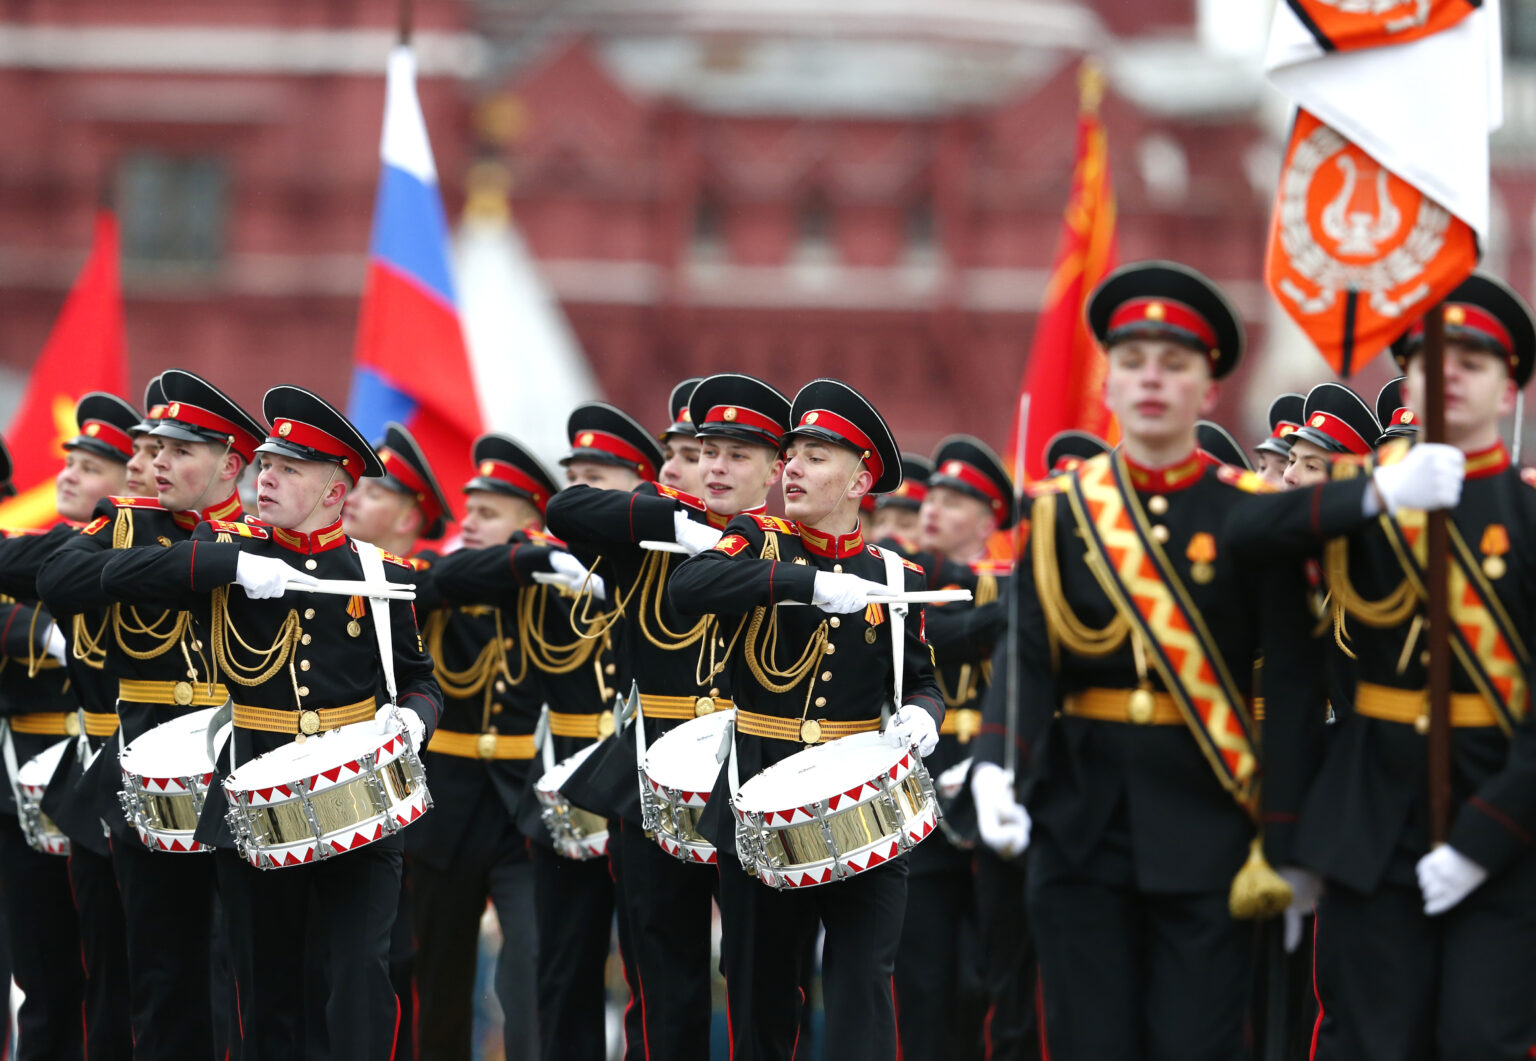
column 492, row 730
column 1157, row 505
column 834, row 622
column 1141, row 707
column 722, row 642
column 837, row 568
column 1424, row 657
column 713, row 691
column 506, row 642
column 826, row 675
column 72, row 723
column 501, row 686
column 704, row 705
column 309, row 613
column 303, row 664
column 1160, row 532
column 821, row 701
column 197, row 646
column 1421, row 725
column 485, row 745
column 309, row 723
column 306, row 639
column 303, row 690
column 181, row 692
column 497, row 709
column 831, row 648
column 609, row 668
column 605, row 724
column 354, row 628
column 810, row 731
column 310, row 564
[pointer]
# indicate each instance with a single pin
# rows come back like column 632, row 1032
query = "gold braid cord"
column 87, row 645
column 532, row 608
column 473, row 680
column 270, row 660
column 762, row 661
column 971, row 676
column 1065, row 629
column 652, row 582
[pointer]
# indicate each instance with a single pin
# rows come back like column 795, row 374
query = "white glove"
column 383, row 721
column 695, row 537
column 1428, row 477
column 1446, row 877
column 912, row 725
column 56, row 646
column 839, row 593
column 1003, row 822
column 574, row 575
column 1306, row 889
column 265, row 576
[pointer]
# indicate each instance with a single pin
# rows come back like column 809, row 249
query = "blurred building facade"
column 871, row 190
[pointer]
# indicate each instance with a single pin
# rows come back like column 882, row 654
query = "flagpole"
column 1011, row 706
column 407, row 17
column 1438, row 630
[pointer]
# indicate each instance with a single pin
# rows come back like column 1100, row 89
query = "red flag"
column 1064, row 377
column 86, row 351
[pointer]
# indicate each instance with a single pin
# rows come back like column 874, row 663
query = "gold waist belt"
column 962, row 722
column 803, row 731
column 482, row 745
column 65, row 724
column 307, row 722
column 592, row 727
column 1140, row 706
column 182, row 694
column 1411, row 707
column 682, row 707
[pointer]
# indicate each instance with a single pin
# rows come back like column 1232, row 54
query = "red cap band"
column 1165, row 312
column 514, row 476
column 910, row 490
column 1474, row 319
column 1340, row 432
column 241, row 441
column 830, row 421
column 403, row 470
column 602, row 440
column 736, row 415
column 970, row 476
column 111, row 434
column 312, row 437
column 1284, row 429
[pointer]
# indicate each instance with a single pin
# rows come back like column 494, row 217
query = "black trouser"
column 669, row 904
column 764, row 943
column 446, row 907
column 573, row 904
column 1393, row 983
column 168, row 919
column 402, row 964
column 45, row 948
column 940, row 1002
column 103, row 955
column 1129, row 974
column 1011, row 1028
column 267, row 917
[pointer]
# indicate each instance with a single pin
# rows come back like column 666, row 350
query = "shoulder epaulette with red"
column 1055, row 484
column 774, row 523
column 138, row 502
column 679, row 496
column 419, row 563
column 876, row 551
column 239, row 530
column 991, row 565
column 543, row 537
column 1245, row 480
column 399, row 561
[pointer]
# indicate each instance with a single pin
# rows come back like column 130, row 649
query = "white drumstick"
column 922, row 596
column 665, row 547
column 344, row 587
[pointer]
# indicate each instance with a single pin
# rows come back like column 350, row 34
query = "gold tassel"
column 1258, row 892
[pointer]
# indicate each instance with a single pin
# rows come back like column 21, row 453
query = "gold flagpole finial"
column 1090, row 86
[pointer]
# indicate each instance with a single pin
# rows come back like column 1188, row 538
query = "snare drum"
column 833, row 811
column 166, row 774
column 679, row 771
column 576, row 833
column 331, row 794
column 31, row 782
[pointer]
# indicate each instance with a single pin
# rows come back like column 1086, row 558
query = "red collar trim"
column 320, row 541
column 1486, row 462
column 834, row 547
column 227, row 510
column 1180, row 475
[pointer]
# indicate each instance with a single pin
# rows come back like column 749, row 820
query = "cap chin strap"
column 321, row 497
column 843, row 494
column 203, row 496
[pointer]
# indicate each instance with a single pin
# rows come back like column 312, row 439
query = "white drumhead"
column 818, row 772
column 561, row 772
column 172, row 749
column 320, row 752
column 38, row 770
column 684, row 757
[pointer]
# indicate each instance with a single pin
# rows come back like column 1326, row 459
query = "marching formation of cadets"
column 1190, row 717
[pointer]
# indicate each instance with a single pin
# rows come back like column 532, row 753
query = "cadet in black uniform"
column 939, row 997
column 1137, row 752
column 680, row 468
column 300, row 665
column 1272, row 452
column 469, row 849
column 1425, row 953
column 1396, row 419
column 837, row 450
column 40, row 698
column 678, row 665
column 1335, row 420
column 1217, row 443
column 895, row 517
column 569, row 642
column 164, row 668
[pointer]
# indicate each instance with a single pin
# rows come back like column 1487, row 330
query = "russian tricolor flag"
column 411, row 364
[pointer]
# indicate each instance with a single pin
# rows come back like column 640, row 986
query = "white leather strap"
column 373, row 571
column 896, row 582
